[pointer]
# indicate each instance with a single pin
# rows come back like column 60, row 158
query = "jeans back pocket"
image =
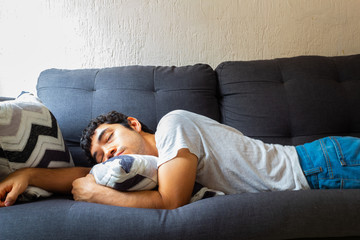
column 348, row 150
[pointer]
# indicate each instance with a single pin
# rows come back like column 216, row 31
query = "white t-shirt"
column 228, row 161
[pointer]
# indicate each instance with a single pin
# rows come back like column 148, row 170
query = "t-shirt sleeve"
column 177, row 130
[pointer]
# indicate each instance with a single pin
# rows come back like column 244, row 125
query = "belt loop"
column 312, row 171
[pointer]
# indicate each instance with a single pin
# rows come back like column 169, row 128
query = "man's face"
column 111, row 140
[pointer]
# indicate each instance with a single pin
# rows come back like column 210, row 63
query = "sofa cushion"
column 276, row 215
column 30, row 137
column 144, row 92
column 292, row 100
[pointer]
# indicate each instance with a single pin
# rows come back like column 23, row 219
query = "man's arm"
column 176, row 180
column 53, row 180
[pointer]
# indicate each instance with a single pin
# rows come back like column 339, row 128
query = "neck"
column 150, row 143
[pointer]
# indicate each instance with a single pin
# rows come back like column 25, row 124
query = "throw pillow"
column 30, row 137
column 137, row 172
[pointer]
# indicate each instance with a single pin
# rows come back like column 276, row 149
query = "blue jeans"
column 331, row 162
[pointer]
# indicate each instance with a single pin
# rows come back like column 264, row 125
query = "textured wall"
column 40, row 34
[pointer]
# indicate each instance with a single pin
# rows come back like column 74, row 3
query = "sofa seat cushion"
column 267, row 215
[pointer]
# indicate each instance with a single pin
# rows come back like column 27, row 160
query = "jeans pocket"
column 339, row 183
column 330, row 183
column 347, row 150
column 350, row 183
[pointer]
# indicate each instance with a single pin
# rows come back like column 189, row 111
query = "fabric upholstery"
column 292, row 100
column 144, row 92
column 262, row 216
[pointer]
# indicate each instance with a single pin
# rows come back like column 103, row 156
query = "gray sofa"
column 288, row 101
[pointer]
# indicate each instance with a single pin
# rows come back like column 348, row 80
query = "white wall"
column 40, row 34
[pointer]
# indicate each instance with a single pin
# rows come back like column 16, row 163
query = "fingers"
column 8, row 195
column 90, row 177
column 4, row 189
column 84, row 188
column 2, row 198
column 12, row 186
column 12, row 196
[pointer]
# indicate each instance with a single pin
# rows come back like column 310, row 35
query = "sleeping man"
column 191, row 148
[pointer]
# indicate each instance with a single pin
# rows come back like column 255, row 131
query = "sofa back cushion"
column 292, row 100
column 144, row 92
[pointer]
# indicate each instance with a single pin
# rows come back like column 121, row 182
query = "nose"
column 109, row 153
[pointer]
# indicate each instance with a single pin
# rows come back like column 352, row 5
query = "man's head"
column 110, row 134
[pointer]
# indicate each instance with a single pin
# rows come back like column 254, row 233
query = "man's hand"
column 53, row 180
column 85, row 188
column 15, row 184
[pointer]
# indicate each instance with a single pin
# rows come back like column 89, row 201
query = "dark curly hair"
column 110, row 118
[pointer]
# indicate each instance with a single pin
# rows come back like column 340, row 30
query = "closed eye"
column 110, row 136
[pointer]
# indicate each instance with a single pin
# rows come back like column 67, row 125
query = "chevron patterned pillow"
column 30, row 137
column 127, row 172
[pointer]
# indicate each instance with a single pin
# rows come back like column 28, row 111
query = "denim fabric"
column 331, row 162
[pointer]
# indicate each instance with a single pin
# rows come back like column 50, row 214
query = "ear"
column 134, row 124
